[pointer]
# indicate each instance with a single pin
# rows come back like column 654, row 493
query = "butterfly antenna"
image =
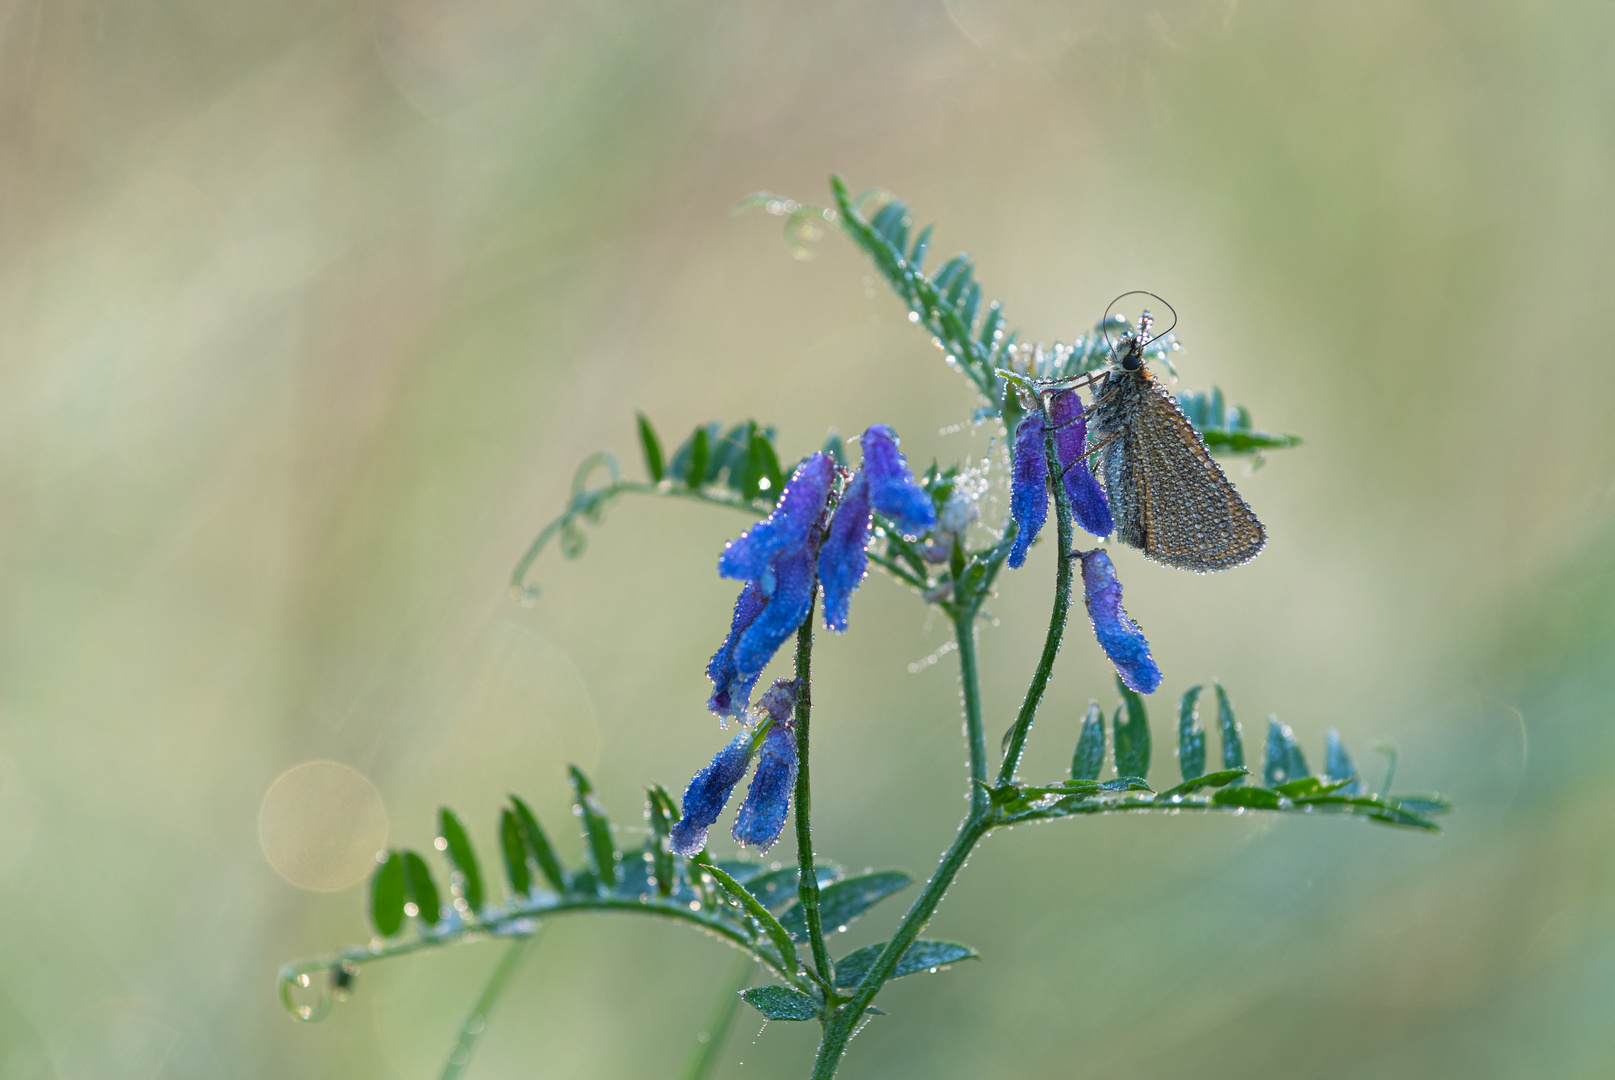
column 1103, row 323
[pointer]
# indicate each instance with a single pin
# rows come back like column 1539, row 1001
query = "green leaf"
column 421, row 889
column 1191, row 736
column 753, row 907
column 458, row 847
column 1090, row 754
column 730, row 454
column 1132, row 735
column 779, row 887
column 1309, row 785
column 539, row 844
column 1282, row 760
column 601, row 849
column 387, row 896
column 923, row 955
column 991, row 323
column 652, row 446
column 1200, row 783
column 844, row 901
column 1338, row 764
column 515, row 851
column 683, row 466
column 1247, row 442
column 700, row 451
column 662, row 813
column 780, row 1003
column 1233, row 748
column 922, row 246
column 1423, row 804
column 764, row 466
column 1253, row 797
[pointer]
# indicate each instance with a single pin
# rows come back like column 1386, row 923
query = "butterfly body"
column 1169, row 497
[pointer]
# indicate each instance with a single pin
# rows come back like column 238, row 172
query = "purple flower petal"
column 708, row 793
column 843, row 560
column 788, row 604
column 800, row 505
column 1028, row 487
column 892, row 489
column 730, row 692
column 780, row 701
column 762, row 816
column 1118, row 635
column 1088, row 504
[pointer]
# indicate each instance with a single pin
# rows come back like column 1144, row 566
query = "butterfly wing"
column 1190, row 516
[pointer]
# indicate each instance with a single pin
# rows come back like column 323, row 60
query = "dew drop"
column 914, row 316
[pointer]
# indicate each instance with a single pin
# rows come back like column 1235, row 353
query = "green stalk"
column 846, row 1018
column 1015, row 744
column 476, row 1021
column 807, row 886
column 981, row 820
column 964, row 630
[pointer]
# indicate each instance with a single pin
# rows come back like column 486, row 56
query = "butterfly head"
column 1132, row 357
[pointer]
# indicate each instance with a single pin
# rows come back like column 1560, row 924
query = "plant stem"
column 707, row 1048
column 476, row 1021
column 964, row 630
column 1015, row 745
column 807, row 885
column 846, row 1018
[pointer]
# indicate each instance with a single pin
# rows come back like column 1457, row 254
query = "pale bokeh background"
column 308, row 309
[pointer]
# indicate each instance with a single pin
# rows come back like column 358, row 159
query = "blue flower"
column 882, row 483
column 892, row 489
column 1028, row 487
column 750, row 556
column 768, row 801
column 727, row 683
column 777, row 559
column 762, row 816
column 708, row 793
column 1118, row 635
column 843, row 560
column 1088, row 504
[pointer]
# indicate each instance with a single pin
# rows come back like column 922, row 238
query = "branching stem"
column 1015, row 744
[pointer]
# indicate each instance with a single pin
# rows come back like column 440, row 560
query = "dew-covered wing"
column 1191, row 516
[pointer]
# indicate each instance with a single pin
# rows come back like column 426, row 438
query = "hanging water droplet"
column 304, row 1001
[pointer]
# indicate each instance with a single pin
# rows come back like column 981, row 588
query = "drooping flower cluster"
column 768, row 800
column 780, row 559
column 1120, row 638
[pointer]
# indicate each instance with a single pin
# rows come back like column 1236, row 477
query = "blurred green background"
column 308, row 309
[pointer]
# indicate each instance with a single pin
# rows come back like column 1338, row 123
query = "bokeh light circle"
column 321, row 824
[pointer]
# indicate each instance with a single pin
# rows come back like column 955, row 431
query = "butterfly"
column 1169, row 497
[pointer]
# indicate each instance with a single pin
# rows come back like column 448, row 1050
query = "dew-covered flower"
column 708, row 793
column 1028, row 487
column 762, row 815
column 777, row 558
column 844, row 559
column 1088, row 505
column 892, row 489
column 1118, row 635
column 727, row 683
column 882, row 483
